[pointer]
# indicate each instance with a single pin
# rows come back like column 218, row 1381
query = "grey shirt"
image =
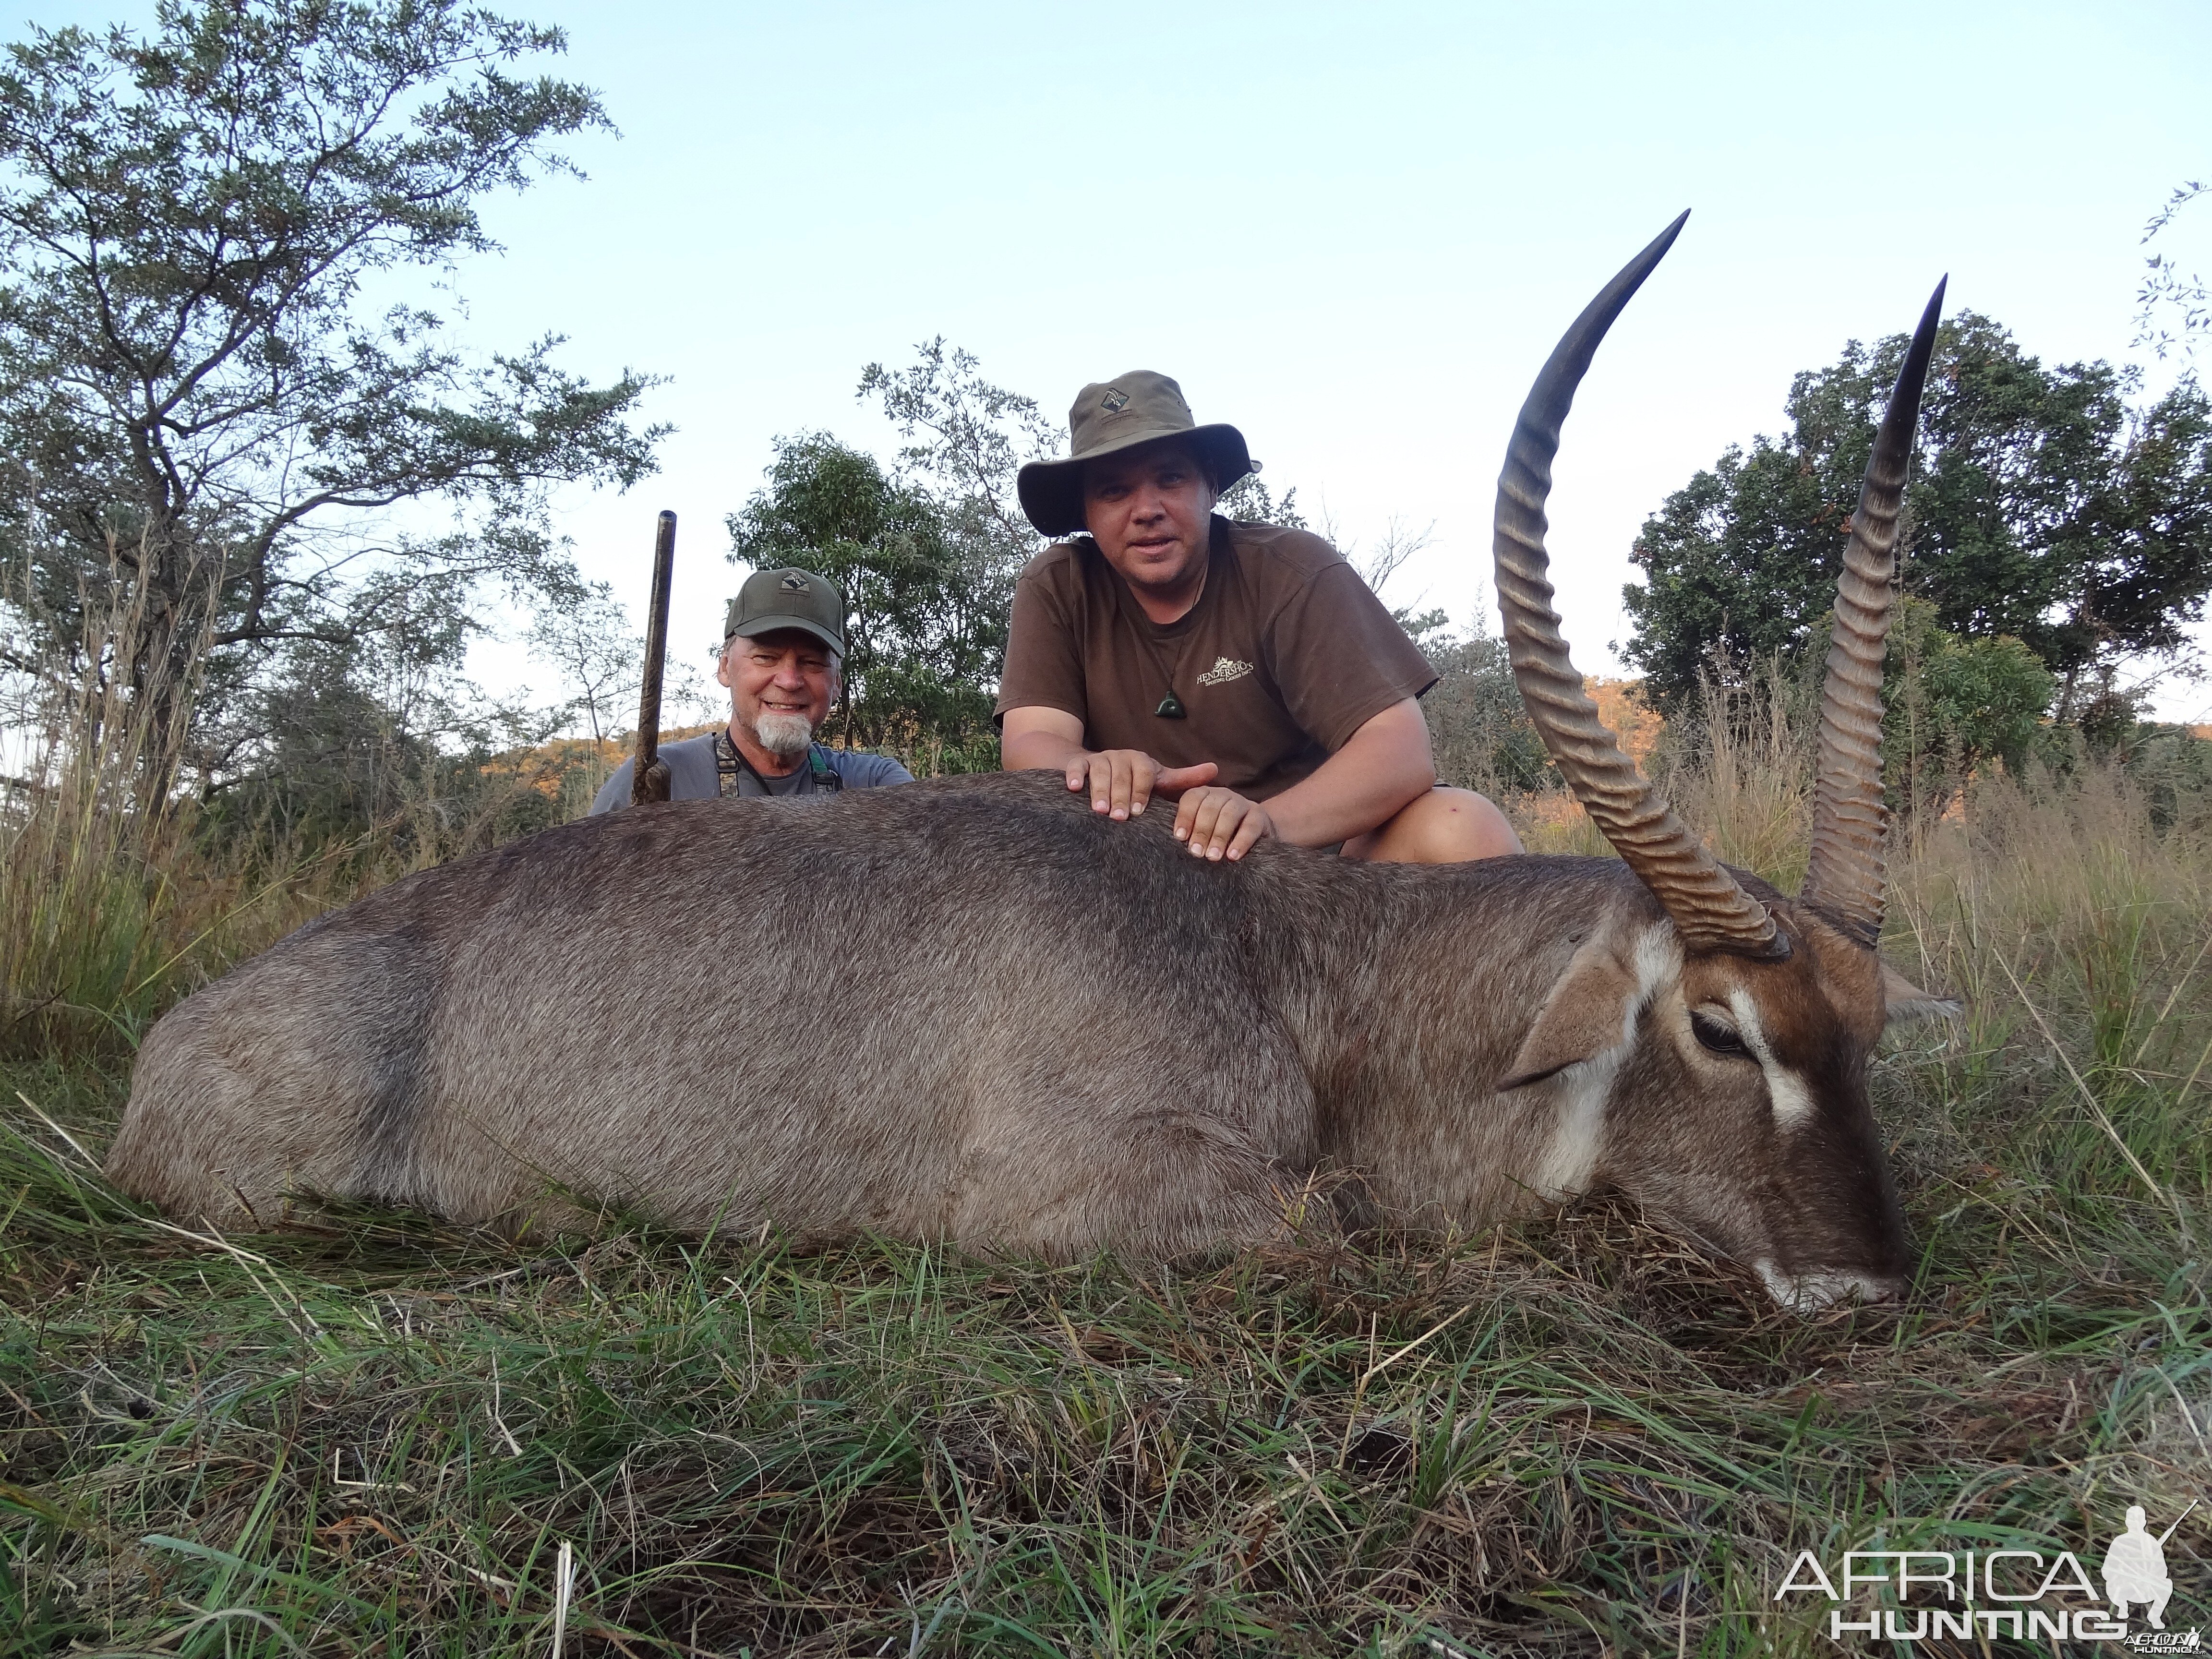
column 693, row 774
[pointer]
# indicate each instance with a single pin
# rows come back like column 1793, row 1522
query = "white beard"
column 787, row 735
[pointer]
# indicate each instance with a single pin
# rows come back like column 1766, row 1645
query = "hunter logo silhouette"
column 2134, row 1568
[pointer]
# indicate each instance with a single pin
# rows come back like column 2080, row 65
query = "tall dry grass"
column 96, row 867
column 119, row 895
column 2078, row 928
column 1739, row 773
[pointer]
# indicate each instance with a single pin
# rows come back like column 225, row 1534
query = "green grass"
column 371, row 1435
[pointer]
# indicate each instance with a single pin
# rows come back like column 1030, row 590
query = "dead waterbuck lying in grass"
column 979, row 1012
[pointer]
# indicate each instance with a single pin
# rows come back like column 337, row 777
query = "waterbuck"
column 977, row 1011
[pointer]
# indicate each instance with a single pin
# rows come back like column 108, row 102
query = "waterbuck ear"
column 1587, row 1013
column 1905, row 1000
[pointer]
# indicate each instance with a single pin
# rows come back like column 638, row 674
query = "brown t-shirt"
column 1286, row 653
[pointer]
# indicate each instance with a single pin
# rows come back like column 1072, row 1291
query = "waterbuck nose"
column 1811, row 1292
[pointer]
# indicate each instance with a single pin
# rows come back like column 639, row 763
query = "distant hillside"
column 1621, row 704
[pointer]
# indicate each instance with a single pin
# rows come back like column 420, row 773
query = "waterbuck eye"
column 1721, row 1039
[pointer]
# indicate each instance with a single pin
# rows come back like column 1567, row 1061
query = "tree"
column 1396, row 548
column 925, row 624
column 966, row 439
column 378, row 734
column 1248, row 499
column 195, row 411
column 586, row 635
column 1479, row 727
column 2167, row 292
column 1951, row 704
column 2042, row 507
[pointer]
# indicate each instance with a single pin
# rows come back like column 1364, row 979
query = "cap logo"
column 793, row 583
column 1115, row 401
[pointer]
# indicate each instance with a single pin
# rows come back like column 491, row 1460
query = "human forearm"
column 1038, row 749
column 1384, row 765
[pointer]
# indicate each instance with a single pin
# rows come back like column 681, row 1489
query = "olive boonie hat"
column 1111, row 415
column 775, row 599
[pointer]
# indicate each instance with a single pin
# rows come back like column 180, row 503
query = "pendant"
column 1170, row 707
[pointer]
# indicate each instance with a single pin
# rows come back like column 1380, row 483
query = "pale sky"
column 1353, row 231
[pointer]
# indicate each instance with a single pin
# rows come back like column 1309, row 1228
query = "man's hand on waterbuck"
column 1121, row 781
column 1218, row 822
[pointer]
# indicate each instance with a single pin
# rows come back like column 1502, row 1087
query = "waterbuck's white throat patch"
column 1793, row 1102
column 1569, row 1163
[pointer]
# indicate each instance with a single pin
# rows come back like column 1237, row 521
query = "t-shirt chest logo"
column 1224, row 670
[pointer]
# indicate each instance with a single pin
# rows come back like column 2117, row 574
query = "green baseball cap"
column 1108, row 416
column 772, row 600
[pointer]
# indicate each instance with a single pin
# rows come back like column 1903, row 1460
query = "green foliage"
column 331, row 763
column 965, row 441
column 1479, row 728
column 925, row 627
column 190, row 394
column 2170, row 765
column 116, row 899
column 1983, row 698
column 1952, row 706
column 1249, row 501
column 2173, row 307
column 926, row 554
column 2042, row 508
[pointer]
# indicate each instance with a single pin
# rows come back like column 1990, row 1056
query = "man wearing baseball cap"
column 783, row 645
column 1245, row 668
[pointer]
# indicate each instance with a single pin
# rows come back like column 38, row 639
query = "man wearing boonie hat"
column 783, row 647
column 1244, row 667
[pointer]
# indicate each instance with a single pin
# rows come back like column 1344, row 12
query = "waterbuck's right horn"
column 1850, row 821
column 1712, row 912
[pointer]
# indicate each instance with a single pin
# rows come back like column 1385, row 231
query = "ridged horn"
column 1712, row 912
column 1850, row 821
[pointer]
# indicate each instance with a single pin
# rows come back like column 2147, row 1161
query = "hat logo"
column 794, row 584
column 1116, row 400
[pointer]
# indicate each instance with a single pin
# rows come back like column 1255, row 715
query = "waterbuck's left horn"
column 1850, row 821
column 1712, row 912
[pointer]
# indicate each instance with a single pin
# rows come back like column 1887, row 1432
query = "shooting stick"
column 649, row 778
